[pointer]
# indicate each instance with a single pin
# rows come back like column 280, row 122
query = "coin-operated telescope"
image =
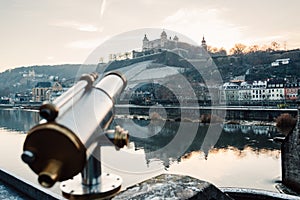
column 67, row 141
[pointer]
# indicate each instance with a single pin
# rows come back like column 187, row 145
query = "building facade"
column 291, row 90
column 41, row 92
column 276, row 89
column 171, row 43
column 273, row 91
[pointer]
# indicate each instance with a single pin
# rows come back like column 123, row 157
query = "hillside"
column 257, row 65
column 17, row 80
column 254, row 66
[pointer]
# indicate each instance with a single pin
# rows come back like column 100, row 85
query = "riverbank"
column 206, row 114
column 21, row 106
column 202, row 114
column 156, row 117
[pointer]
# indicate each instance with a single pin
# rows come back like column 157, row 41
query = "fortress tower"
column 163, row 38
column 145, row 43
column 203, row 44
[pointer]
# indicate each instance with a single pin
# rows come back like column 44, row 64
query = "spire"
column 145, row 43
column 145, row 38
column 203, row 43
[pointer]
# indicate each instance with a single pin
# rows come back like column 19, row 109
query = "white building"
column 283, row 61
column 245, row 91
column 276, row 90
column 229, row 93
column 259, row 91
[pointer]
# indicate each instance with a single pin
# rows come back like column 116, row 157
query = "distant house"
column 259, row 91
column 278, row 62
column 229, row 92
column 291, row 90
column 41, row 92
column 56, row 90
column 275, row 90
column 4, row 100
column 22, row 97
column 56, row 87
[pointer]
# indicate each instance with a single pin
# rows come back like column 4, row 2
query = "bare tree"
column 275, row 46
column 238, row 49
column 253, row 48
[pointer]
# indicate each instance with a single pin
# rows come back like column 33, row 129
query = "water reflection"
column 233, row 167
column 154, row 135
column 18, row 120
column 243, row 156
column 239, row 137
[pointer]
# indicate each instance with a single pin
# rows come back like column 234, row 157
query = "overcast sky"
column 66, row 31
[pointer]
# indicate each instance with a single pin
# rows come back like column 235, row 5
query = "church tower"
column 145, row 43
column 203, row 44
column 176, row 38
column 163, row 39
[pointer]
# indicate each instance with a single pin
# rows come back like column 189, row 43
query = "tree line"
column 242, row 49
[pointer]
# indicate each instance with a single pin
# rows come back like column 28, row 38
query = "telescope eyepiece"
column 50, row 175
column 46, row 181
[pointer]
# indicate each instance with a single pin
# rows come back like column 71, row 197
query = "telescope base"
column 109, row 185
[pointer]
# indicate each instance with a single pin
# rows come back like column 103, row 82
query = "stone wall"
column 291, row 158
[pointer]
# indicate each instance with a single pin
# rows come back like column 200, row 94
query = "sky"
column 67, row 31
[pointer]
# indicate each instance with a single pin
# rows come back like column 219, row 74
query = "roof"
column 163, row 34
column 43, row 85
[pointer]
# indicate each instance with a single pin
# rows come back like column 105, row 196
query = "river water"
column 227, row 155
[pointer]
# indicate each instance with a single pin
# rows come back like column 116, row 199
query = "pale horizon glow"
column 63, row 32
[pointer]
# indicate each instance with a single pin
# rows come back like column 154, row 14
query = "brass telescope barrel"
column 56, row 148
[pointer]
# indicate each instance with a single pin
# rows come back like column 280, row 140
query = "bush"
column 285, row 123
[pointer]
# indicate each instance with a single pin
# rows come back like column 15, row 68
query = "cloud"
column 78, row 26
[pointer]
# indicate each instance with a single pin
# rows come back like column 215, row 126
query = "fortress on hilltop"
column 171, row 44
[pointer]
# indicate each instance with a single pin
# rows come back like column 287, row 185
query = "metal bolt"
column 45, row 113
column 28, row 157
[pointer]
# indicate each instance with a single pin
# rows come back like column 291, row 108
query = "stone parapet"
column 169, row 186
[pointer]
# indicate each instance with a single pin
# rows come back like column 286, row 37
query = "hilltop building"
column 171, row 44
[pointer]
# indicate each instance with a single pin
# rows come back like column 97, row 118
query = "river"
column 227, row 155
